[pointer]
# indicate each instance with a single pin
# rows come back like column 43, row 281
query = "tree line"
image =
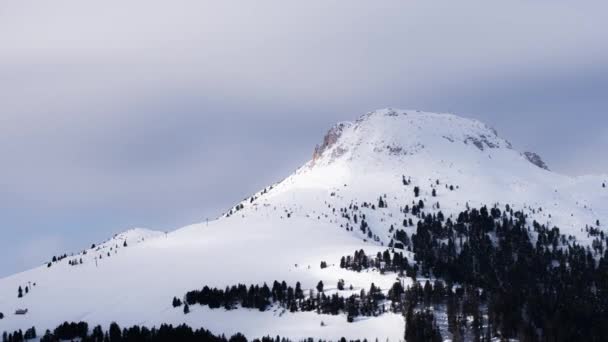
column 365, row 303
column 387, row 261
column 166, row 332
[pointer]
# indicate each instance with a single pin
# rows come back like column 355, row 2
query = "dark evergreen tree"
column 238, row 337
column 320, row 286
column 114, row 333
column 30, row 334
column 176, row 302
column 381, row 203
column 97, row 335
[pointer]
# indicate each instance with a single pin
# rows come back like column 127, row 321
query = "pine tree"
column 381, row 203
column 186, row 309
column 48, row 337
column 320, row 286
column 30, row 334
column 434, row 193
column 428, row 293
column 19, row 292
column 416, row 191
column 176, row 302
column 299, row 294
column 477, row 325
column 115, row 334
column 97, row 334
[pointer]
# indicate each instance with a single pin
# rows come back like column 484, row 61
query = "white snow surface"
column 284, row 231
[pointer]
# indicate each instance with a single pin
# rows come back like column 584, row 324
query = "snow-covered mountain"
column 286, row 230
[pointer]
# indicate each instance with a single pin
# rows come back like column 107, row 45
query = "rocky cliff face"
column 330, row 139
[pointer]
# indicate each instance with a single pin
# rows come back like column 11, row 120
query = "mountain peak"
column 366, row 178
column 399, row 133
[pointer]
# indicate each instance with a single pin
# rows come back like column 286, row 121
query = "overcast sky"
column 116, row 113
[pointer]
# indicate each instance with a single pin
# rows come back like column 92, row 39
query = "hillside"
column 369, row 170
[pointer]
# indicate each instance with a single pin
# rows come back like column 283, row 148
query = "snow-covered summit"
column 398, row 133
column 464, row 162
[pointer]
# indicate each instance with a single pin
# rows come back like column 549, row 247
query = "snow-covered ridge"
column 127, row 238
column 136, row 235
column 110, row 247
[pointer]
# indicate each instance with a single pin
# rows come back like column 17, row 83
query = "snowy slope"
column 368, row 158
column 284, row 231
